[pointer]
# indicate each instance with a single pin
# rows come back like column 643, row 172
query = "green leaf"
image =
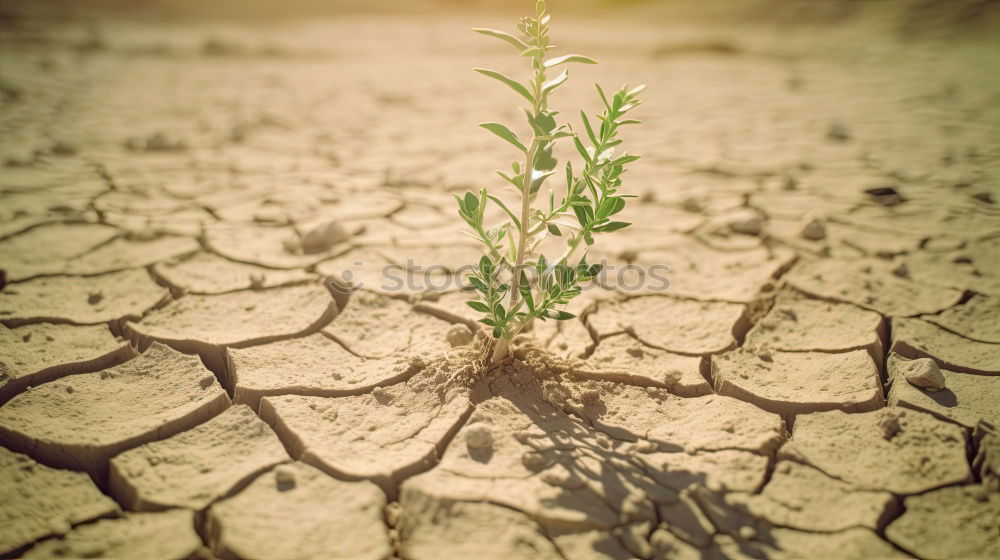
column 478, row 284
column 560, row 315
column 586, row 124
column 537, row 178
column 513, row 218
column 613, row 226
column 516, row 181
column 543, row 158
column 525, row 290
column 603, row 98
column 471, row 202
column 543, row 123
column 478, row 306
column 510, row 83
column 569, row 58
column 579, row 148
column 611, row 205
column 496, row 332
column 636, row 90
column 505, row 133
column 581, row 214
column 554, row 230
column 533, row 52
column 485, row 267
column 619, row 205
column 555, row 82
column 503, row 36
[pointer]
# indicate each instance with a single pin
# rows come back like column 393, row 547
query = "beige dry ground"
column 176, row 380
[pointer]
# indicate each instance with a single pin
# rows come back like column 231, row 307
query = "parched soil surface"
column 185, row 373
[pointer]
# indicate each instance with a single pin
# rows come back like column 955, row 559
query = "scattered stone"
column 886, row 196
column 67, row 299
column 838, row 131
column 478, row 436
column 170, row 534
column 314, row 365
column 748, row 225
column 38, row 501
column 953, row 522
column 63, row 148
column 970, row 400
column 923, row 373
column 800, row 382
column 155, row 395
column 985, row 196
column 914, row 338
column 459, row 335
column 814, row 230
column 284, row 476
column 36, row 354
column 194, row 468
column 918, row 454
column 271, row 247
column 238, row 318
column 314, row 517
column 692, row 205
column 569, row 473
column 324, row 237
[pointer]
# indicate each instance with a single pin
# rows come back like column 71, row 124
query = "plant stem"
column 526, row 178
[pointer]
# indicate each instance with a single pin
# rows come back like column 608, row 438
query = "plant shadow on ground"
column 572, row 454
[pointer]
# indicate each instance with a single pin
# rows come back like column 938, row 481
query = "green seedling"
column 516, row 283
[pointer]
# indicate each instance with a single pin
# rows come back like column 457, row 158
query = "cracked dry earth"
column 820, row 380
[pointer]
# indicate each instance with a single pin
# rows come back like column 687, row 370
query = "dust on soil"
column 180, row 378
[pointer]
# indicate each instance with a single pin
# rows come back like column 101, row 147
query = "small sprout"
column 515, row 283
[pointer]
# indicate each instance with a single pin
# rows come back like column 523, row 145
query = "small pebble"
column 459, row 335
column 815, row 230
column 479, row 436
column 284, row 476
column 925, row 374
